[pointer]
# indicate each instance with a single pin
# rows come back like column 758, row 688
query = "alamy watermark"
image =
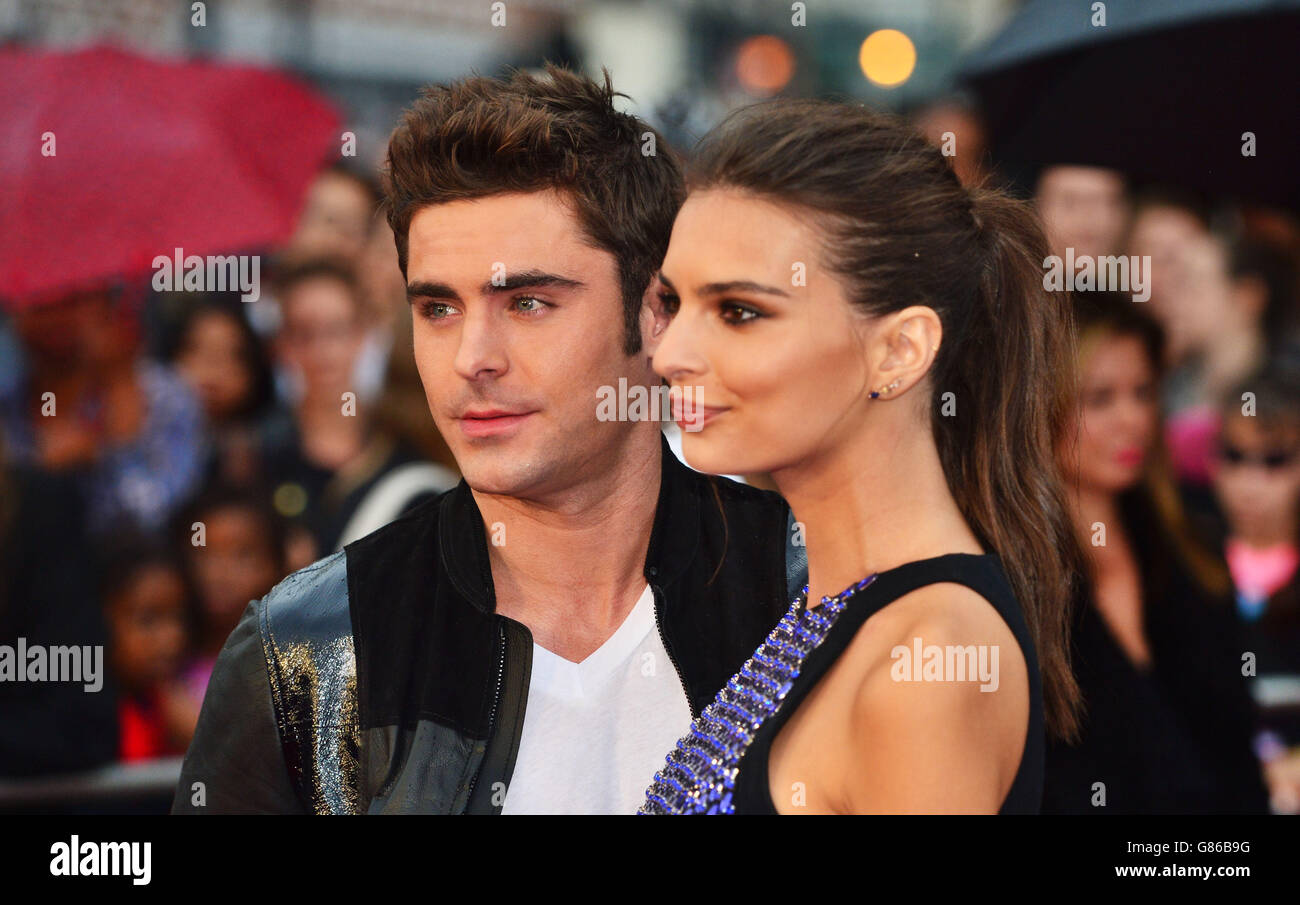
column 1085, row 273
column 215, row 273
column 38, row 663
column 642, row 403
column 75, row 858
column 947, row 663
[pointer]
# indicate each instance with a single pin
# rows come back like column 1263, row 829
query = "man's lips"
column 491, row 422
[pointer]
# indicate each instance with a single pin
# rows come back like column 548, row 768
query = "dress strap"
column 977, row 572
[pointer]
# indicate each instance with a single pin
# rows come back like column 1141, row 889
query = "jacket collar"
column 673, row 539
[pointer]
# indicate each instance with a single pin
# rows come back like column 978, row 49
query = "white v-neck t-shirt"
column 596, row 732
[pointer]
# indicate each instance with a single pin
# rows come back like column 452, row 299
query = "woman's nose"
column 678, row 355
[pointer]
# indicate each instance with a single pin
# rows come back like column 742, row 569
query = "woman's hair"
column 1274, row 269
column 402, row 411
column 121, row 560
column 272, row 528
column 1275, row 395
column 899, row 229
column 1110, row 315
column 126, row 555
column 252, row 350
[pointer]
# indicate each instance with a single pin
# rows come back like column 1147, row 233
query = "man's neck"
column 572, row 567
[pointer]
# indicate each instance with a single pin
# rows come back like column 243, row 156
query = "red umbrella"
column 149, row 156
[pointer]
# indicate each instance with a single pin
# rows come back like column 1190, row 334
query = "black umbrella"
column 1164, row 92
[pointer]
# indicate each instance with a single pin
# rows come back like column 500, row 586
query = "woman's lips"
column 491, row 423
column 696, row 418
column 1130, row 457
column 689, row 412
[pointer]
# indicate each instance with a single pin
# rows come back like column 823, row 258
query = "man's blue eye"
column 529, row 303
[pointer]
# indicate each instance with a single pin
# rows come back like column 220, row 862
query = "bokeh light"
column 887, row 57
column 764, row 65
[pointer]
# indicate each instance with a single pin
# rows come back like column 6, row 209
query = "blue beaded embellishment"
column 700, row 774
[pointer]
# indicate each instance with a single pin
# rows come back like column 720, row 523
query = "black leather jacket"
column 380, row 679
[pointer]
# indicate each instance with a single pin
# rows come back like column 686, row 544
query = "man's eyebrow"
column 426, row 289
column 529, row 278
column 429, row 289
column 739, row 286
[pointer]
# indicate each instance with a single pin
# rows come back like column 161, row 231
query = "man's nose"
column 481, row 350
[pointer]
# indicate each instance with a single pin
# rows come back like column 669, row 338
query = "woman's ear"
column 907, row 342
column 654, row 318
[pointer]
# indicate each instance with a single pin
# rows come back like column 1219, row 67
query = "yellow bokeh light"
column 887, row 57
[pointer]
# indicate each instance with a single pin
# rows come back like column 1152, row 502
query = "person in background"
column 1257, row 483
column 1164, row 221
column 1215, row 324
column 385, row 311
column 48, row 597
column 222, row 359
column 94, row 405
column 957, row 120
column 56, row 377
column 1266, row 279
column 401, row 409
column 234, row 550
column 336, row 217
column 1083, row 208
column 401, row 412
column 324, row 457
column 147, row 606
column 1168, row 717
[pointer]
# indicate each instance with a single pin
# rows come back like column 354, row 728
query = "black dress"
column 1173, row 738
column 684, row 786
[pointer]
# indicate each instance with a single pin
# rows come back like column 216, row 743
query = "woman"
column 221, row 357
column 1168, row 721
column 1257, row 484
column 877, row 338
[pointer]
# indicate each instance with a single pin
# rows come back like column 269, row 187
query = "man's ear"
column 654, row 319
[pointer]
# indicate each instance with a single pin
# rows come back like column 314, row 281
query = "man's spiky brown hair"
column 528, row 132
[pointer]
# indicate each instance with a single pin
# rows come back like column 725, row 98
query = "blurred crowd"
column 1184, row 480
column 1185, row 484
column 168, row 457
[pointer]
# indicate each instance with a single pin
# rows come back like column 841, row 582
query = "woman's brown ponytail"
column 1018, row 386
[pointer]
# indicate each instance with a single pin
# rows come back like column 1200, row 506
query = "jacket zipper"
column 496, row 700
column 663, row 639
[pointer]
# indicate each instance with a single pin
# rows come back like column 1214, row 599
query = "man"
column 536, row 639
column 1083, row 208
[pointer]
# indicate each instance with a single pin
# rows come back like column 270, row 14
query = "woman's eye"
column 1096, row 399
column 671, row 302
column 737, row 314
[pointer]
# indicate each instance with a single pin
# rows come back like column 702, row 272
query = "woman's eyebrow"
column 739, row 286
